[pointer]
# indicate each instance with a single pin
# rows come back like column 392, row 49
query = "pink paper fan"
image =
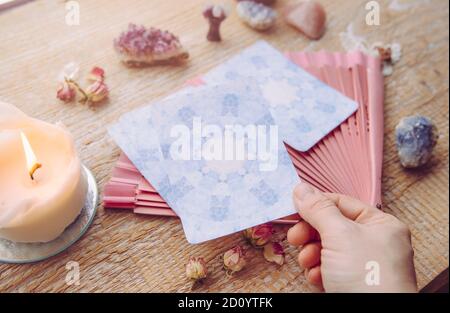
column 348, row 160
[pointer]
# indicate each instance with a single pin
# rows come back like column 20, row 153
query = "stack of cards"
column 180, row 143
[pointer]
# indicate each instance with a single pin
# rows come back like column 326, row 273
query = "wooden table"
column 126, row 252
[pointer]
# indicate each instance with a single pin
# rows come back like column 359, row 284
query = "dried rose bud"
column 96, row 92
column 259, row 235
column 69, row 71
column 274, row 252
column 388, row 53
column 234, row 260
column 97, row 73
column 196, row 269
column 66, row 91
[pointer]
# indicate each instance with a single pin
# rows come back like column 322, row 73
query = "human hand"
column 341, row 236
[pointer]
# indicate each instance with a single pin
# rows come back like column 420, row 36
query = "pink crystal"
column 309, row 17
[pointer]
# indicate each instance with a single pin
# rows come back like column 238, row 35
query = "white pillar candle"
column 37, row 206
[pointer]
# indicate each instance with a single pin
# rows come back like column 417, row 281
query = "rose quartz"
column 308, row 17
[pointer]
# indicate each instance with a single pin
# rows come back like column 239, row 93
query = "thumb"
column 317, row 209
column 352, row 208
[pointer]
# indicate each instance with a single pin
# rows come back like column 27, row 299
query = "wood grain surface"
column 127, row 252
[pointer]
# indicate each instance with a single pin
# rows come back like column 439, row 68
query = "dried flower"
column 259, row 235
column 388, row 53
column 96, row 92
column 234, row 260
column 139, row 45
column 215, row 14
column 96, row 73
column 66, row 91
column 70, row 71
column 196, row 269
column 274, row 252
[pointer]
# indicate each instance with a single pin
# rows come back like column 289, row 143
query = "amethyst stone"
column 416, row 137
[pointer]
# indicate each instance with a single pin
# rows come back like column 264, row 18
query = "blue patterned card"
column 304, row 108
column 224, row 166
column 214, row 191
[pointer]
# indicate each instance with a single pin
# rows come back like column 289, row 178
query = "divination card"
column 304, row 108
column 224, row 166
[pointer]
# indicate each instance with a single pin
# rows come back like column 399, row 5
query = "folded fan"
column 348, row 160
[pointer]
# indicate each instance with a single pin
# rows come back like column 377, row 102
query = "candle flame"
column 32, row 163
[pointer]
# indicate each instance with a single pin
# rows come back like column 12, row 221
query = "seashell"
column 309, row 17
column 139, row 46
column 257, row 15
column 415, row 137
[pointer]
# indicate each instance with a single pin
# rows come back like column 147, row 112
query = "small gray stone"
column 416, row 137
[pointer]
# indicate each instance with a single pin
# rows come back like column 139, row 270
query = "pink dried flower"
column 259, row 235
column 69, row 71
column 96, row 73
column 274, row 252
column 196, row 269
column 96, row 92
column 66, row 91
column 139, row 45
column 234, row 260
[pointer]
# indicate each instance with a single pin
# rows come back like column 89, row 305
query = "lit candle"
column 32, row 163
column 42, row 184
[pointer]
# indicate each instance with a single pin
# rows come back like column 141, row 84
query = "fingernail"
column 302, row 190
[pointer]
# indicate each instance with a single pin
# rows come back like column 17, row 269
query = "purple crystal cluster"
column 139, row 42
